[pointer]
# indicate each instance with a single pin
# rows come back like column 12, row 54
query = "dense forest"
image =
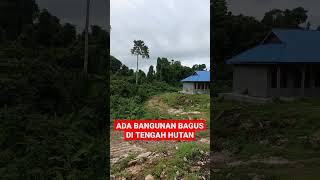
column 52, row 118
column 126, row 101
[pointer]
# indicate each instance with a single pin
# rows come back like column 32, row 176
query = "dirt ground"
column 138, row 156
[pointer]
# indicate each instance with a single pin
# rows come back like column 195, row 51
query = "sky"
column 175, row 29
column 257, row 8
column 73, row 11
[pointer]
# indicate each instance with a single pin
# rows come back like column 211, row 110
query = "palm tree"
column 86, row 48
column 139, row 49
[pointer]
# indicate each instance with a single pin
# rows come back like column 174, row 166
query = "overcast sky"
column 176, row 29
column 257, row 8
column 73, row 11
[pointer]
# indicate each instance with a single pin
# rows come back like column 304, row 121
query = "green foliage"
column 191, row 151
column 185, row 101
column 249, row 124
column 172, row 72
column 127, row 103
column 52, row 120
column 123, row 163
column 285, row 19
column 199, row 67
column 15, row 15
column 151, row 74
column 127, row 98
column 281, row 129
column 140, row 49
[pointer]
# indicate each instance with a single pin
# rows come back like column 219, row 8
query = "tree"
column 139, row 49
column 162, row 69
column 86, row 48
column 151, row 73
column 285, row 19
column 220, row 11
column 318, row 28
column 68, row 34
column 199, row 67
column 115, row 64
column 15, row 15
column 48, row 29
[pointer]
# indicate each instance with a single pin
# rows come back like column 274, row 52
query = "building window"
column 283, row 79
column 273, row 78
column 297, row 76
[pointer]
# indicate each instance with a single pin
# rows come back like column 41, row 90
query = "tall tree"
column 220, row 11
column 139, row 49
column 151, row 73
column 86, row 48
column 48, row 29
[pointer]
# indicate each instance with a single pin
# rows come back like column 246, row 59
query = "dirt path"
column 156, row 104
column 121, row 149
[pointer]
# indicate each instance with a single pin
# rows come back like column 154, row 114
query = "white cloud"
column 176, row 29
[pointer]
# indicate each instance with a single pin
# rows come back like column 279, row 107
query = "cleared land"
column 280, row 140
column 165, row 159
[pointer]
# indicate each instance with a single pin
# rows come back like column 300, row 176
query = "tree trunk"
column 86, row 48
column 137, row 72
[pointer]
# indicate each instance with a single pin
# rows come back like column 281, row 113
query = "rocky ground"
column 160, row 159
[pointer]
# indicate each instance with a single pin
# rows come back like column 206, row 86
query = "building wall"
column 290, row 90
column 188, row 88
column 251, row 80
column 255, row 80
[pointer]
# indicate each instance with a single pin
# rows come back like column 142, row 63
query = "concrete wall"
column 251, row 80
column 255, row 80
column 188, row 88
column 290, row 90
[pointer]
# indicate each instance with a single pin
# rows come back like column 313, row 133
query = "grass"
column 176, row 163
column 194, row 102
column 190, row 103
column 173, row 162
column 283, row 129
column 122, row 164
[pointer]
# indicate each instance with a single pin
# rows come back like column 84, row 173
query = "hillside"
column 165, row 159
column 52, row 118
column 280, row 140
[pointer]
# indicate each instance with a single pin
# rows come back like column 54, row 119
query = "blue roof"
column 198, row 76
column 296, row 46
